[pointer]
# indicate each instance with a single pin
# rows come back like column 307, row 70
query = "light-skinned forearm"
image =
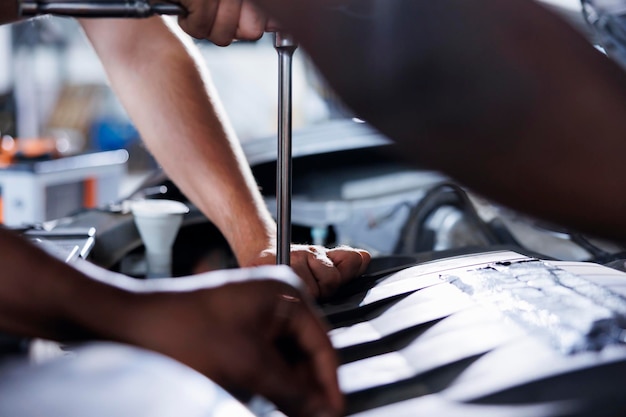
column 501, row 95
column 162, row 84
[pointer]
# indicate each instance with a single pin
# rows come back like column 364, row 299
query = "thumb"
column 292, row 389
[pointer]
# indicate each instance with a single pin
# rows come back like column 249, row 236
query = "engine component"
column 496, row 333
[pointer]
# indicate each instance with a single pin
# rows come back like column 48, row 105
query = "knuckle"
column 196, row 32
column 252, row 34
column 299, row 256
column 220, row 40
column 257, row 34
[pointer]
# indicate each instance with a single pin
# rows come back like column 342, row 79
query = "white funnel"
column 158, row 222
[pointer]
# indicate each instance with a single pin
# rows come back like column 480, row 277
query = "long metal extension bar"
column 285, row 46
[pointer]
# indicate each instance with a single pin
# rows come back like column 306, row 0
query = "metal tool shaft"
column 285, row 46
column 98, row 9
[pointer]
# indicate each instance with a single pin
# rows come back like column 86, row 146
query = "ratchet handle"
column 99, row 9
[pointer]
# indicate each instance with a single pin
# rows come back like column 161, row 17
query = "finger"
column 350, row 262
column 367, row 257
column 300, row 265
column 200, row 17
column 327, row 276
column 226, row 22
column 310, row 334
column 297, row 359
column 251, row 22
column 294, row 389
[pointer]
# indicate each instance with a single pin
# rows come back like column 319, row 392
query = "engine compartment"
column 467, row 308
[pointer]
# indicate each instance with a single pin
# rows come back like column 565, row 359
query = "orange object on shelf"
column 36, row 147
column 90, row 192
column 8, row 148
column 26, row 148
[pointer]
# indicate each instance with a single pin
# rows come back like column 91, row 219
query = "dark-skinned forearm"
column 41, row 296
column 503, row 96
column 8, row 11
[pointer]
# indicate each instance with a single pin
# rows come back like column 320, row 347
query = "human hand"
column 222, row 21
column 251, row 337
column 323, row 270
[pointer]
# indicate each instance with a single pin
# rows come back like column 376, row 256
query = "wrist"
column 259, row 240
column 101, row 311
column 164, row 322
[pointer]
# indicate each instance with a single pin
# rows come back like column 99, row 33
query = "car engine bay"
column 467, row 308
